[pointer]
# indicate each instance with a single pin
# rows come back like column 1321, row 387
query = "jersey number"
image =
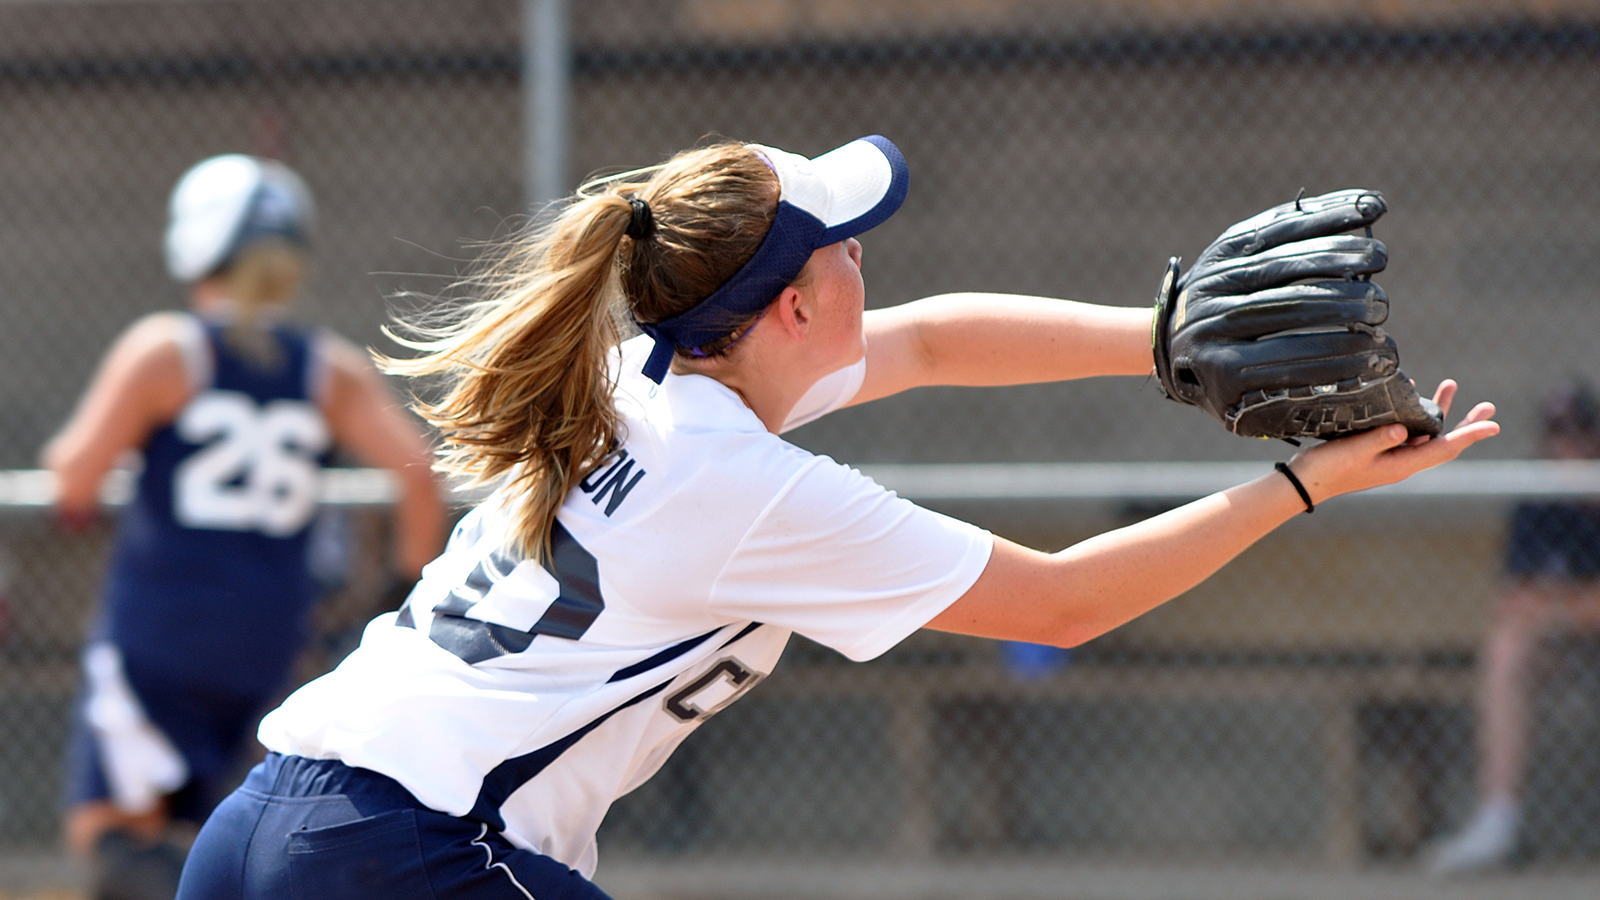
column 258, row 470
column 574, row 609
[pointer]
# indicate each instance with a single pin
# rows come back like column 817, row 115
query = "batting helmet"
column 226, row 202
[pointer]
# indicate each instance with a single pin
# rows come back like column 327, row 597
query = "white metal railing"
column 1176, row 480
column 23, row 488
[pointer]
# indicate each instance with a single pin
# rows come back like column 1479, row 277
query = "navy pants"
column 303, row 829
column 211, row 728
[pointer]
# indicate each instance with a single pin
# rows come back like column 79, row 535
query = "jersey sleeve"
column 840, row 559
column 318, row 346
column 195, row 350
column 829, row 393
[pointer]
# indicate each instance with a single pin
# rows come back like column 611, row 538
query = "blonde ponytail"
column 527, row 370
column 265, row 274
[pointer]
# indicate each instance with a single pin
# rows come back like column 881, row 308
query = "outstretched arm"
column 974, row 339
column 1084, row 591
column 368, row 421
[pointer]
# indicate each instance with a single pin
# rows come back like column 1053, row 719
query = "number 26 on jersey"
column 258, row 468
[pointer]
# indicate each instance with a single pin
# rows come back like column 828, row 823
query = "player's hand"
column 76, row 520
column 1385, row 455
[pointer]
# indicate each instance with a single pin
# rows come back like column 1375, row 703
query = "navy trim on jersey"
column 506, row 778
column 661, row 658
column 675, row 651
column 741, row 635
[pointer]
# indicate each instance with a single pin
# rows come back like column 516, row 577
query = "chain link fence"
column 1311, row 708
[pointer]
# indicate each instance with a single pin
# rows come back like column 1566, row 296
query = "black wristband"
column 1298, row 487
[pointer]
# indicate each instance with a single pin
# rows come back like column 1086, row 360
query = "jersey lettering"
column 614, row 481
column 258, row 468
column 705, row 696
column 576, row 605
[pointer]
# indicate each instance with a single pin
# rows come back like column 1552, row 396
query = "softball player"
column 652, row 542
column 206, row 597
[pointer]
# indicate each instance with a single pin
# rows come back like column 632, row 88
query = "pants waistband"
column 281, row 775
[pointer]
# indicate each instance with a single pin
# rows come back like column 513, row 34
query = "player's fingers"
column 1448, row 446
column 1464, row 437
column 1379, row 441
column 1481, row 412
column 1444, row 394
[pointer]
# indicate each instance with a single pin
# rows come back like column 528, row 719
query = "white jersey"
column 531, row 698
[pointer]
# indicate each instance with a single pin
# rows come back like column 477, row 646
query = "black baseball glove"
column 1275, row 328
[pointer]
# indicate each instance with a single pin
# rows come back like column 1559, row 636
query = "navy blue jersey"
column 209, row 581
column 1560, row 540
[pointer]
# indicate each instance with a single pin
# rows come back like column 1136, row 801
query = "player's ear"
column 794, row 312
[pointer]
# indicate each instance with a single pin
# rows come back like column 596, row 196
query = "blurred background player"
column 1552, row 560
column 208, row 590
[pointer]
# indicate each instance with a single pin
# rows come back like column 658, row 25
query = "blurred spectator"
column 1552, row 560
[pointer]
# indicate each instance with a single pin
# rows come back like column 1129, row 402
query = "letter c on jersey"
column 724, row 683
